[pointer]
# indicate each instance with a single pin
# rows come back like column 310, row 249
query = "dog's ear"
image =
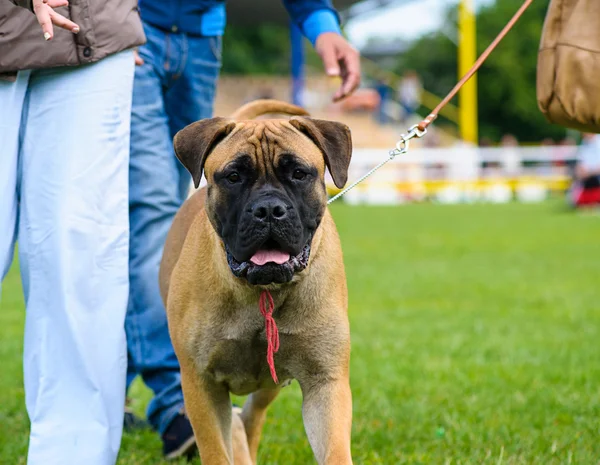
column 334, row 141
column 194, row 142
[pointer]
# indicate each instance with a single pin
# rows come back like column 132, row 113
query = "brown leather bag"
column 568, row 68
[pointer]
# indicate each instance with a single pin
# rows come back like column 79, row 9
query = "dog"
column 260, row 229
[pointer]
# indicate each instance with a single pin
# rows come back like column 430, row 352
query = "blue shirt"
column 207, row 17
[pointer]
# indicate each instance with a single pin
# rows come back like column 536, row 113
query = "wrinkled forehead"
column 265, row 141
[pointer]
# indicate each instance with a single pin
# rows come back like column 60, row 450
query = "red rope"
column 271, row 328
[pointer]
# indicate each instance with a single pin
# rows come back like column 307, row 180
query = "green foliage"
column 262, row 50
column 474, row 341
column 506, row 82
column 256, row 50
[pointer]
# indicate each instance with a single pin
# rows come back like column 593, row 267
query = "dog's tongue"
column 265, row 256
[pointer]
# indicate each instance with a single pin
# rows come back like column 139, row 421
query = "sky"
column 407, row 21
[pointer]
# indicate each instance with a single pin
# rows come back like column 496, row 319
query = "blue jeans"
column 173, row 88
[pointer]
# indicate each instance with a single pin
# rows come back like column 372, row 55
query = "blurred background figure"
column 382, row 87
column 409, row 95
column 511, row 160
column 585, row 191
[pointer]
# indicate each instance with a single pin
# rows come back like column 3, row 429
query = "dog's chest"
column 235, row 353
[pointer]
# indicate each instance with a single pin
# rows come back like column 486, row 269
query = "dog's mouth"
column 269, row 265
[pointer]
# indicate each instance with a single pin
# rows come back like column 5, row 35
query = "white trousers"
column 64, row 155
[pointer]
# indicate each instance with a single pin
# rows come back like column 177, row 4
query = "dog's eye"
column 233, row 177
column 299, row 174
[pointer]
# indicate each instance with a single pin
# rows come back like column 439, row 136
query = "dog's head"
column 266, row 191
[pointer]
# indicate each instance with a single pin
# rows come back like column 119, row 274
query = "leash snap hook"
column 414, row 131
column 403, row 144
column 401, row 147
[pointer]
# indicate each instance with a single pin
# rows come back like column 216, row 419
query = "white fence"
column 461, row 174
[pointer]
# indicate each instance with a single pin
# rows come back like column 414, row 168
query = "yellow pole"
column 467, row 54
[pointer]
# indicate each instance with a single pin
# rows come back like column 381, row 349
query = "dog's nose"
column 269, row 209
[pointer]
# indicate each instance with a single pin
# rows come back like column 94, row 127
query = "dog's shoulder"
column 180, row 228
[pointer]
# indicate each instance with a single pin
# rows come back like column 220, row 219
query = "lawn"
column 476, row 340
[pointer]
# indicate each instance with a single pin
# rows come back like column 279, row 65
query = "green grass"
column 476, row 340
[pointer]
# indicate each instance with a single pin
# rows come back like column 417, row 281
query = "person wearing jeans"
column 174, row 86
column 65, row 106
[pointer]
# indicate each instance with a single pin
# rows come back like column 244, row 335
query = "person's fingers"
column 341, row 60
column 42, row 13
column 56, row 3
column 138, row 59
column 329, row 58
column 62, row 22
column 349, row 85
column 350, row 65
column 352, row 75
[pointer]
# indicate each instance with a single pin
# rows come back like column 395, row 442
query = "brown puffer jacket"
column 106, row 27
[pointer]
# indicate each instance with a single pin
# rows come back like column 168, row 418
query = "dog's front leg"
column 327, row 412
column 254, row 415
column 209, row 408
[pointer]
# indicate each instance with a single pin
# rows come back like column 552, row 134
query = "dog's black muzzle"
column 269, row 223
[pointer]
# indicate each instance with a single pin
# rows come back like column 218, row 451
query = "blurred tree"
column 259, row 50
column 506, row 82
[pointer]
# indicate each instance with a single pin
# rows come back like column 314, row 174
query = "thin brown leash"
column 422, row 126
column 419, row 130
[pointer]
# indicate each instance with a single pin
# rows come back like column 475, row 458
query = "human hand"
column 138, row 59
column 340, row 59
column 47, row 17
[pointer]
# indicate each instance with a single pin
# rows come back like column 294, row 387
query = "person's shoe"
column 178, row 439
column 131, row 422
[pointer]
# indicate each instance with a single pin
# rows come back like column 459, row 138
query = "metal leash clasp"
column 403, row 144
column 401, row 147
